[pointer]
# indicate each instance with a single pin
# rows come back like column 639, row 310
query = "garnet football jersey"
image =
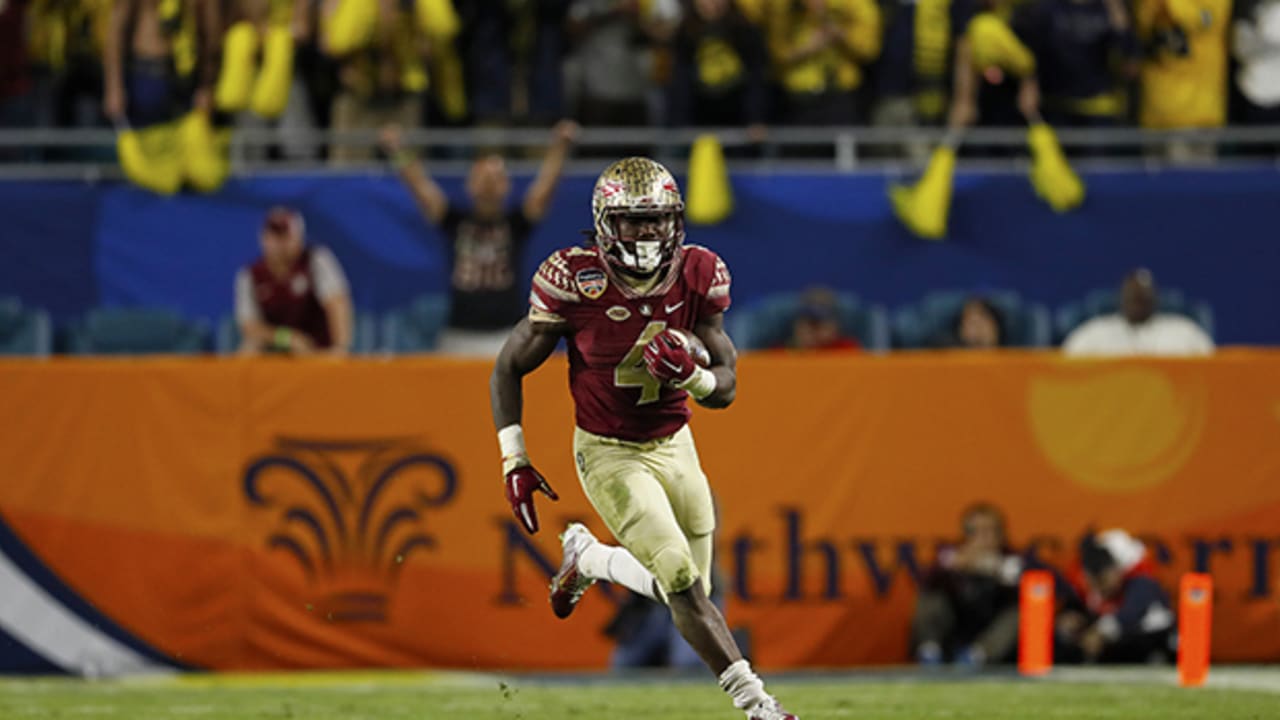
column 609, row 325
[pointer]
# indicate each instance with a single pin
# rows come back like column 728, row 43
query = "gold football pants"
column 655, row 500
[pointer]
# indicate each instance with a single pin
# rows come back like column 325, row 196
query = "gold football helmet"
column 638, row 215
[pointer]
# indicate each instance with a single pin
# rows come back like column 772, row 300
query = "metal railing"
column 59, row 152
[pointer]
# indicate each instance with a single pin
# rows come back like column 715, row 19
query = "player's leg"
column 622, row 482
column 586, row 560
column 696, row 617
column 611, row 485
column 701, row 624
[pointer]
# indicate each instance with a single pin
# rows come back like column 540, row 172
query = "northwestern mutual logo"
column 349, row 513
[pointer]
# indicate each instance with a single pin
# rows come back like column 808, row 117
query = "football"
column 697, row 348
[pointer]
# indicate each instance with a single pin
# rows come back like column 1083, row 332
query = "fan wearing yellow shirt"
column 1184, row 73
column 381, row 48
column 820, row 49
column 719, row 73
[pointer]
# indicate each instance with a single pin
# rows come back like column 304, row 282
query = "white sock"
column 615, row 564
column 743, row 685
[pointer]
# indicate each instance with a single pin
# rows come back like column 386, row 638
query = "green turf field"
column 1124, row 695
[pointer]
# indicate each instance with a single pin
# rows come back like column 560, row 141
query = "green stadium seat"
column 766, row 322
column 920, row 324
column 136, row 331
column 24, row 331
column 415, row 328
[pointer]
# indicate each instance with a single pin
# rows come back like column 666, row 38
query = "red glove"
column 522, row 483
column 668, row 358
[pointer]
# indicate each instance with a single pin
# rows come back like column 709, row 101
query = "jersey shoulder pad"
column 706, row 272
column 554, row 278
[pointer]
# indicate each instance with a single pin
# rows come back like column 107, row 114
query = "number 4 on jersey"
column 631, row 372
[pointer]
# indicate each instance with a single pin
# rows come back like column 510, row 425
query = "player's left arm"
column 724, row 361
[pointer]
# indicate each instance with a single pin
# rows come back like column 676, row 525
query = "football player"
column 643, row 315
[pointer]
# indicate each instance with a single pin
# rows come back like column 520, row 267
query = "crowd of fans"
column 352, row 64
column 295, row 298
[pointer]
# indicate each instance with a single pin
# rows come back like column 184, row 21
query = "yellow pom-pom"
column 151, row 158
column 710, row 192
column 204, row 153
column 924, row 207
column 271, row 92
column 1051, row 175
column 239, row 47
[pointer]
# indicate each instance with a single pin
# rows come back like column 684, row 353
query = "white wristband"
column 511, row 441
column 700, row 384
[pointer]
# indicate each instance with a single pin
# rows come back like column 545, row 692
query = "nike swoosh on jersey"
column 672, row 308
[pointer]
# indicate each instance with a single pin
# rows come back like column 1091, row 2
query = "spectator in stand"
column 820, row 49
column 16, row 109
column 978, row 326
column 1119, row 614
column 817, row 323
column 544, row 61
column 1256, row 45
column 720, row 70
column 994, row 83
column 1085, row 53
column 1138, row 329
column 913, row 73
column 294, row 299
column 614, row 59
column 967, row 611
column 64, row 46
column 1184, row 74
column 485, row 45
column 160, row 60
column 511, row 55
column 382, row 50
column 487, row 241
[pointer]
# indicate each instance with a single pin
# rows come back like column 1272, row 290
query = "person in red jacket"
column 816, row 325
column 293, row 299
column 1119, row 613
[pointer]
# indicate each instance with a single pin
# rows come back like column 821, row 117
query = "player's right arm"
column 529, row 345
column 551, row 301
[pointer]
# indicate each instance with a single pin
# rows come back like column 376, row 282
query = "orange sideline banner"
column 256, row 514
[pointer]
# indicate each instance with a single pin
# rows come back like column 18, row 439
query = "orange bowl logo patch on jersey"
column 591, row 283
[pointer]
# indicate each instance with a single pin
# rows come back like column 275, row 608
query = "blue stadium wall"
column 69, row 246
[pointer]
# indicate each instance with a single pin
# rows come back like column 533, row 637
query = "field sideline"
column 1123, row 694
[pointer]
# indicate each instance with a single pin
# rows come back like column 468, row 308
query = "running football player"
column 642, row 313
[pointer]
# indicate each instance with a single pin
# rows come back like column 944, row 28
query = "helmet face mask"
column 643, row 242
column 639, row 216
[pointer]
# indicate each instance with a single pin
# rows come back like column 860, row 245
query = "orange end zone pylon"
column 1035, row 623
column 1195, row 618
